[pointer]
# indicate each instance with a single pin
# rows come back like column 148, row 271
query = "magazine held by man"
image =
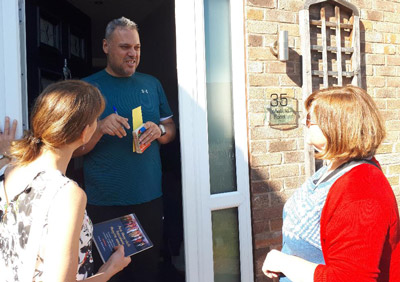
column 125, row 230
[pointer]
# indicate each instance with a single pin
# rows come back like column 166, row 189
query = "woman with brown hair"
column 342, row 224
column 45, row 233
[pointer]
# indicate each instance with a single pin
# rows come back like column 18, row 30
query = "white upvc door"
column 213, row 128
column 12, row 81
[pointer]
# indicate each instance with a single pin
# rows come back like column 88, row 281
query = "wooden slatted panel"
column 338, row 46
column 347, row 50
column 333, row 73
column 356, row 60
column 331, row 24
column 324, row 49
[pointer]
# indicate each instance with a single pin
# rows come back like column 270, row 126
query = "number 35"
column 277, row 100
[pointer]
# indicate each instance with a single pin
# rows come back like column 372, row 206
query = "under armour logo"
column 145, row 91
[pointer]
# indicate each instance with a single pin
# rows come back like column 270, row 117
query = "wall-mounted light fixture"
column 280, row 48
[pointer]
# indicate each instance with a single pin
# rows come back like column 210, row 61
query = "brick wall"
column 276, row 156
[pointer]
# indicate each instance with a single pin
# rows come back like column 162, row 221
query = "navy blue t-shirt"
column 114, row 174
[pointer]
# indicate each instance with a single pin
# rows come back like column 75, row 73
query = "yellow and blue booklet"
column 138, row 130
column 125, row 230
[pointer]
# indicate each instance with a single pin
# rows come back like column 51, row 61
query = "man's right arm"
column 112, row 125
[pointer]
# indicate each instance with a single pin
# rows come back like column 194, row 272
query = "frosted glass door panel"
column 219, row 96
column 226, row 245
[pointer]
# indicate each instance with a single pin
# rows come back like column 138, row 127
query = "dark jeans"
column 145, row 265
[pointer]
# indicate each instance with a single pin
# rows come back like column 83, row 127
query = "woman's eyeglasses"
column 308, row 122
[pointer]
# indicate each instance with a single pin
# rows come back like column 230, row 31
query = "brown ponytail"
column 60, row 114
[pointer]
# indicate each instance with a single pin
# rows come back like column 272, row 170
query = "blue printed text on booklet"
column 125, row 230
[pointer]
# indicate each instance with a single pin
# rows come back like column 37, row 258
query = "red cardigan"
column 360, row 229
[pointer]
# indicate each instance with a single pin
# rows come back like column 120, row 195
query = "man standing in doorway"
column 119, row 181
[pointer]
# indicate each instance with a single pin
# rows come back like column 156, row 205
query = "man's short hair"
column 121, row 22
column 349, row 120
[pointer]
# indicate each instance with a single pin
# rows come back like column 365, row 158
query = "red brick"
column 294, row 182
column 256, row 107
column 391, row 38
column 275, row 67
column 280, row 16
column 258, row 147
column 263, row 79
column 260, row 201
column 262, row 27
column 372, row 59
column 394, row 104
column 267, row 213
column 386, row 27
column 255, row 67
column 293, row 157
column 389, row 115
column 376, row 81
column 393, row 60
column 372, row 15
column 284, row 171
column 255, row 14
column 256, row 93
column 391, row 17
column 393, row 82
column 393, row 125
column 279, row 198
column 291, row 5
column 262, row 160
column 385, row 148
column 260, row 133
column 261, row 173
column 382, row 6
column 255, row 40
column 261, row 227
column 257, row 119
column 385, row 71
column 385, row 92
column 376, row 37
column 268, row 239
column 292, row 29
column 260, row 53
column 280, row 146
column 263, row 3
column 260, row 187
column 276, row 224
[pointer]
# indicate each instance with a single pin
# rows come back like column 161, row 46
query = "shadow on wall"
column 362, row 59
column 267, row 207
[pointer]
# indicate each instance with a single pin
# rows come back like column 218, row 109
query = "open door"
column 72, row 31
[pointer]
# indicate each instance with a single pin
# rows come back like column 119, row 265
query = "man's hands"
column 152, row 133
column 114, row 125
column 7, row 135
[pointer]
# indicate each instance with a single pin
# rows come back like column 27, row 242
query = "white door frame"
column 197, row 201
column 12, row 79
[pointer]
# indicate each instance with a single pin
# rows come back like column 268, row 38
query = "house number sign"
column 282, row 110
